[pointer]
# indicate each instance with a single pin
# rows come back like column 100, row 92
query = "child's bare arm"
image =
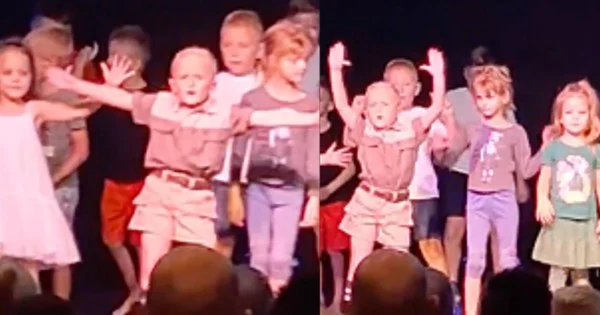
column 338, row 88
column 283, row 117
column 436, row 67
column 79, row 153
column 105, row 94
column 543, row 184
column 527, row 165
column 52, row 111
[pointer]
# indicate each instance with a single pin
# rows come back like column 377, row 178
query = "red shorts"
column 117, row 208
column 331, row 238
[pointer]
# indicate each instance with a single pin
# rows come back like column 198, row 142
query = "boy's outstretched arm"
column 105, row 94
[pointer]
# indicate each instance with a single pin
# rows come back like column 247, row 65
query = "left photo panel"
column 162, row 157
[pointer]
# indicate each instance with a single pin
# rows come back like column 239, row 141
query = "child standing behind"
column 388, row 140
column 66, row 143
column 241, row 35
column 567, row 189
column 499, row 149
column 337, row 185
column 121, row 145
column 283, row 160
column 423, row 189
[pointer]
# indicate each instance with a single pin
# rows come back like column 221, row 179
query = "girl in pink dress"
column 33, row 229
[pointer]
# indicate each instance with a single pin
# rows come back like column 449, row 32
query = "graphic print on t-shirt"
column 573, row 180
column 280, row 142
column 488, row 155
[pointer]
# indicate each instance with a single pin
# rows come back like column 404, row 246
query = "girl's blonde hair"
column 584, row 90
column 493, row 79
column 282, row 39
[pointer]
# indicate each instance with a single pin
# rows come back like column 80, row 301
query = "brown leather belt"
column 184, row 180
column 388, row 196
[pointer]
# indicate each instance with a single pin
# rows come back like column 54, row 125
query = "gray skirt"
column 568, row 244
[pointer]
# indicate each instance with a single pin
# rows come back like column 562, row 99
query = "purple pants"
column 484, row 210
column 272, row 217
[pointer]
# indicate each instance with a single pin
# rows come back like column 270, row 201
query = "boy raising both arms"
column 188, row 138
column 388, row 140
column 122, row 144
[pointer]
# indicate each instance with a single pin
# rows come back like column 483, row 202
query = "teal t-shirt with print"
column 573, row 179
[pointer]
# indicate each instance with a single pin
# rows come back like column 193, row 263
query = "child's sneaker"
column 346, row 298
column 457, row 310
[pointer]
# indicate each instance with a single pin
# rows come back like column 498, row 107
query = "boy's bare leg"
column 125, row 262
column 225, row 246
column 433, row 253
column 61, row 282
column 453, row 236
column 337, row 266
column 34, row 270
column 152, row 249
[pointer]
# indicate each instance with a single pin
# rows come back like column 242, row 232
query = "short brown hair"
column 134, row 34
column 244, row 18
column 286, row 37
column 580, row 300
column 193, row 279
column 61, row 39
column 400, row 63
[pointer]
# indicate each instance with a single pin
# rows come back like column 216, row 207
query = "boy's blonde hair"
column 580, row 300
column 382, row 85
column 584, row 90
column 243, row 18
column 198, row 51
column 400, row 63
column 493, row 79
column 55, row 40
column 286, row 38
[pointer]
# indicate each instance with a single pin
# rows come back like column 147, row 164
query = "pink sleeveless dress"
column 32, row 227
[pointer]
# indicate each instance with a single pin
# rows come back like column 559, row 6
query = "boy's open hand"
column 341, row 157
column 436, row 65
column 337, row 57
column 60, row 78
column 116, row 70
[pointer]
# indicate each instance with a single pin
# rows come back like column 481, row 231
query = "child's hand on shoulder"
column 544, row 212
column 116, row 70
column 549, row 134
column 61, row 78
column 337, row 57
column 447, row 112
column 438, row 142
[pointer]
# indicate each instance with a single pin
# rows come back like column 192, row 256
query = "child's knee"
column 508, row 259
column 475, row 265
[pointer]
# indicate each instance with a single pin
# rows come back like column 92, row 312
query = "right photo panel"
column 459, row 159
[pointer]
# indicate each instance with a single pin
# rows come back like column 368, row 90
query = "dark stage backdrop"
column 172, row 25
column 545, row 44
